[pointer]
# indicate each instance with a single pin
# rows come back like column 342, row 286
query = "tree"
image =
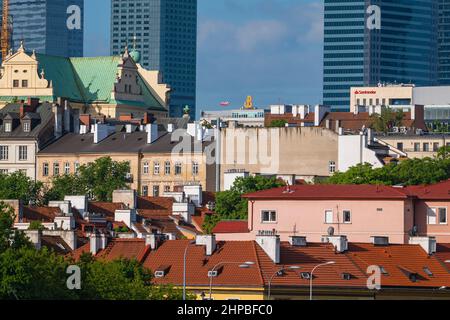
column 278, row 123
column 9, row 237
column 231, row 206
column 388, row 119
column 99, row 178
column 407, row 172
column 18, row 185
column 443, row 152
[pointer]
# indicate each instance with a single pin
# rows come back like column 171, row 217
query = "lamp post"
column 244, row 265
column 312, row 276
column 184, row 268
column 278, row 273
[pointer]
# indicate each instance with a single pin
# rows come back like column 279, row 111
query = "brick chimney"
column 85, row 119
column 23, row 109
column 125, row 117
column 33, row 103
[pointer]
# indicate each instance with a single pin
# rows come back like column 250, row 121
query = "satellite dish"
column 414, row 231
column 330, row 231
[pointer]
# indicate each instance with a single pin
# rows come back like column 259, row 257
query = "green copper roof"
column 89, row 79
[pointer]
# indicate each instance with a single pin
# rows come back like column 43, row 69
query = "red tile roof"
column 328, row 191
column 43, row 214
column 399, row 261
column 106, row 208
column 307, row 258
column 171, row 253
column 438, row 191
column 154, row 206
column 231, row 227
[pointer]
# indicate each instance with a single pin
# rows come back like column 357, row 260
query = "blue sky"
column 270, row 49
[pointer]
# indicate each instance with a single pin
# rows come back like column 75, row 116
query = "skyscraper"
column 165, row 34
column 42, row 25
column 444, row 42
column 403, row 48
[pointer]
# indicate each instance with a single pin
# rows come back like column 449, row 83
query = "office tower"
column 403, row 49
column 42, row 25
column 444, row 42
column 165, row 34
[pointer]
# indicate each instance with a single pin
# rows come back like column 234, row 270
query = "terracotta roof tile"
column 171, row 253
column 236, row 226
column 150, row 206
column 106, row 208
column 328, row 191
column 43, row 214
column 438, row 191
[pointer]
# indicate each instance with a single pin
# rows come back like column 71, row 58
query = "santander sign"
column 365, row 92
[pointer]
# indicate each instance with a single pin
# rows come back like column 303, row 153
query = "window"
column 45, row 169
column 4, row 152
column 167, row 168
column 442, row 215
column 426, row 147
column 332, row 167
column 145, row 191
column 329, row 216
column 416, row 147
column 347, row 216
column 178, row 168
column 194, row 168
column 24, row 83
column 8, row 127
column 156, row 168
column 4, row 171
column 400, row 146
column 26, row 126
column 76, row 167
column 268, row 216
column 432, row 216
column 145, row 169
column 23, row 153
column 156, row 191
column 15, row 83
column 166, row 188
column 56, row 169
column 67, row 168
column 436, row 146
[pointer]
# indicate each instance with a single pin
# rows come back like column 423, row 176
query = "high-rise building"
column 402, row 48
column 43, row 26
column 165, row 34
column 444, row 42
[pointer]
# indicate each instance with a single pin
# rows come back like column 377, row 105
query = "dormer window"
column 8, row 126
column 26, row 126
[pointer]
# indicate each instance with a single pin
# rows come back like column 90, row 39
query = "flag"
column 225, row 103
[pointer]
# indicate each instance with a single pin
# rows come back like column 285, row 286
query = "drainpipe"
column 218, row 154
column 251, row 215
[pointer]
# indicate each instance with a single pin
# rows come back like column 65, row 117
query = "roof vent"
column 212, row 274
column 380, row 241
column 161, row 271
column 305, row 275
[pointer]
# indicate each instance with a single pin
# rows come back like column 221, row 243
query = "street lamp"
column 279, row 272
column 184, row 268
column 312, row 276
column 244, row 265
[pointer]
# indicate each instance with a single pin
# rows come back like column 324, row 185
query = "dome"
column 135, row 55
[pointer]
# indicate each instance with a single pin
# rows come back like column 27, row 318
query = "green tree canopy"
column 278, row 123
column 18, row 185
column 407, row 172
column 99, row 178
column 388, row 119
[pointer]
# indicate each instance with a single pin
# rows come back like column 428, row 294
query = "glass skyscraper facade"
column 403, row 50
column 165, row 34
column 444, row 42
column 42, row 25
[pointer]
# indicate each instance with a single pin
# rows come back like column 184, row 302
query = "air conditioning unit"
column 324, row 239
column 395, row 129
column 212, row 274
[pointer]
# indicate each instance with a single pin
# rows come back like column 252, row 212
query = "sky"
column 269, row 49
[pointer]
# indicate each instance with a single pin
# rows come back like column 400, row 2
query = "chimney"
column 170, row 127
column 195, row 194
column 303, row 110
column 152, row 132
column 85, row 119
column 328, row 124
column 270, row 243
column 127, row 216
column 154, row 240
column 209, row 241
column 33, row 103
column 319, row 113
column 427, row 243
column 35, row 237
column 125, row 117
column 102, row 131
column 340, row 243
column 340, row 131
column 80, row 203
column 147, row 118
column 417, row 112
column 370, row 136
column 97, row 242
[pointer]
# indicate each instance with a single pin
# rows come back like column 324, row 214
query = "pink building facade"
column 359, row 212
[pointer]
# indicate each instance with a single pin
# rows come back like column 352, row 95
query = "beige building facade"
column 418, row 146
column 382, row 95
